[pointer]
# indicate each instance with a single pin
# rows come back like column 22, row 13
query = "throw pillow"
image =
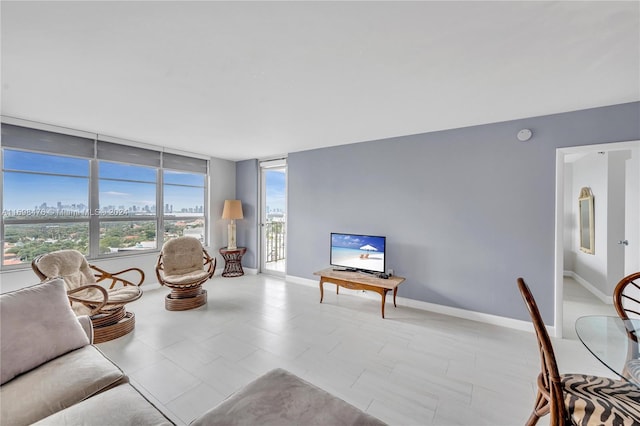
column 36, row 325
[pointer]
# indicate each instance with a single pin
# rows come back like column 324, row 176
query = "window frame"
column 99, row 218
column 45, row 219
column 172, row 218
column 118, row 150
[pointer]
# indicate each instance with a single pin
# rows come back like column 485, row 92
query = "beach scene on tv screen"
column 358, row 251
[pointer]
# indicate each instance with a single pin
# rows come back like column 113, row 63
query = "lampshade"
column 232, row 209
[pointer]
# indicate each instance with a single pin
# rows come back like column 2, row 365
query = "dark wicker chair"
column 105, row 306
column 183, row 266
column 626, row 299
column 577, row 399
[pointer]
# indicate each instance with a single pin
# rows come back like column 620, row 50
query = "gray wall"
column 465, row 211
column 222, row 186
column 247, row 191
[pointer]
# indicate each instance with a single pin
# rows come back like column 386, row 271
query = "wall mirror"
column 585, row 209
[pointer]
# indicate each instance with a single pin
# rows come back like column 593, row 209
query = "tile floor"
column 412, row 368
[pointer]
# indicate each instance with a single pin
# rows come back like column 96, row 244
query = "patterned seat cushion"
column 592, row 400
column 633, row 369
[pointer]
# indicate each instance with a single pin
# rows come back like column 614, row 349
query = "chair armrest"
column 94, row 306
column 160, row 270
column 115, row 278
column 209, row 263
column 87, row 326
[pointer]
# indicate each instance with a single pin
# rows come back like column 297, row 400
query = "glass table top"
column 607, row 339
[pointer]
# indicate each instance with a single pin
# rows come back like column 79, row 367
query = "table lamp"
column 232, row 210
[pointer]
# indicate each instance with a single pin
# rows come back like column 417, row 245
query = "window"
column 44, row 185
column 95, row 196
column 127, row 207
column 184, row 195
column 45, row 205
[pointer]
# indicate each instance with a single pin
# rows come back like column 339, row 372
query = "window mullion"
column 160, row 208
column 94, row 207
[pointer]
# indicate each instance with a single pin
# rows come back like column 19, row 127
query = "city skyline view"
column 35, row 181
column 60, row 209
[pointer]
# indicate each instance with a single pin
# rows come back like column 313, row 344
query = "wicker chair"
column 577, row 399
column 183, row 266
column 626, row 299
column 105, row 306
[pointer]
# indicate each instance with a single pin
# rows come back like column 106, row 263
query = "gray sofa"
column 51, row 374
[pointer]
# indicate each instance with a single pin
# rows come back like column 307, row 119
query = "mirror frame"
column 586, row 221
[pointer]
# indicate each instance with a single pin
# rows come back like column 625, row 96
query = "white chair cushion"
column 68, row 264
column 182, row 255
column 187, row 278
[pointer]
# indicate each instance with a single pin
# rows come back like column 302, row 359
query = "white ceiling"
column 240, row 80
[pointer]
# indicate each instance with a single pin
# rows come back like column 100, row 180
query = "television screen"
column 360, row 252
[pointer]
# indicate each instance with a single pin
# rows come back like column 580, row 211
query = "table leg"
column 383, row 293
column 321, row 290
column 395, row 291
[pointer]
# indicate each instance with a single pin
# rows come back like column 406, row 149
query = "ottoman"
column 280, row 398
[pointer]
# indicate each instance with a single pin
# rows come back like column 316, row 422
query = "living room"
column 436, row 167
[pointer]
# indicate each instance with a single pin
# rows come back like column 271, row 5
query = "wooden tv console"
column 359, row 281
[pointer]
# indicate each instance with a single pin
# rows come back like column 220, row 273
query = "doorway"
column 273, row 217
column 612, row 170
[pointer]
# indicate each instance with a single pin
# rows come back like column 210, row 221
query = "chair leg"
column 533, row 419
column 540, row 409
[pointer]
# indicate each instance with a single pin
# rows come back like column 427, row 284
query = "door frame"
column 263, row 166
column 561, row 153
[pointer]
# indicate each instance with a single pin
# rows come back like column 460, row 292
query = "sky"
column 68, row 179
column 23, row 190
column 276, row 189
column 357, row 241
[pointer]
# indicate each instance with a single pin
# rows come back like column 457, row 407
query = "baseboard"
column 150, row 286
column 300, row 280
column 590, row 287
column 432, row 307
column 472, row 315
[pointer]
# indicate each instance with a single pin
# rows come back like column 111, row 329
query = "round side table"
column 232, row 261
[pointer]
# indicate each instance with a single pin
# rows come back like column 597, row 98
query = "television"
column 364, row 253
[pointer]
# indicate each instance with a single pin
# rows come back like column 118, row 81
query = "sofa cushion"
column 56, row 385
column 36, row 325
column 122, row 406
column 280, row 398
